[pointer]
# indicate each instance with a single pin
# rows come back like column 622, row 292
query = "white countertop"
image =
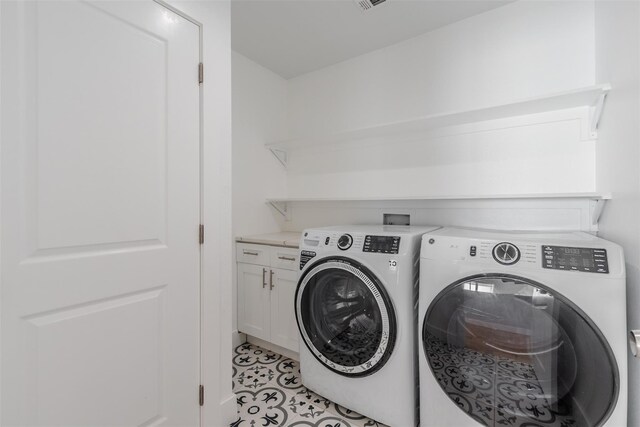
column 289, row 239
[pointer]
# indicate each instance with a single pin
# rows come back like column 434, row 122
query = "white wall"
column 259, row 114
column 523, row 50
column 496, row 158
column 618, row 152
column 220, row 403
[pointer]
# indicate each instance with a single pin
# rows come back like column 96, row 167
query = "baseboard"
column 275, row 348
column 238, row 338
column 229, row 409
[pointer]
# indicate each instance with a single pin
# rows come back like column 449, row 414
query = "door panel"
column 284, row 330
column 100, row 211
column 120, row 154
column 253, row 300
column 90, row 324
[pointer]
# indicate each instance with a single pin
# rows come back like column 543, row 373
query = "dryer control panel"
column 592, row 260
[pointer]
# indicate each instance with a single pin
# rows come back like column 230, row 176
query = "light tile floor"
column 270, row 393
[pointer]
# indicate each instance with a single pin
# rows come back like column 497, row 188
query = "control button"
column 326, row 241
column 344, row 242
column 472, row 251
column 506, row 253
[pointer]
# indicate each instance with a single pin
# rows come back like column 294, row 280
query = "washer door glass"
column 345, row 317
column 509, row 351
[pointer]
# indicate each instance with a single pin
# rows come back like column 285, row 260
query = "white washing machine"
column 522, row 329
column 356, row 311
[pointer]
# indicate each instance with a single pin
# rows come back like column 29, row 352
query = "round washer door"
column 510, row 351
column 345, row 316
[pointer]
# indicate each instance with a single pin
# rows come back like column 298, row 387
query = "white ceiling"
column 293, row 37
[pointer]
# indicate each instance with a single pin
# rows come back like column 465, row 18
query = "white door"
column 253, row 300
column 100, row 213
column 284, row 329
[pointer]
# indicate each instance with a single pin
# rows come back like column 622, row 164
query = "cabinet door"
column 284, row 329
column 253, row 300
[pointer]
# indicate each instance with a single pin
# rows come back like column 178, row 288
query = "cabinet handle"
column 287, row 258
column 246, row 252
column 264, row 278
column 271, row 286
column 634, row 342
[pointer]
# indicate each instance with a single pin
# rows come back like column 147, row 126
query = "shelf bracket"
column 596, row 210
column 597, row 114
column 281, row 207
column 281, row 155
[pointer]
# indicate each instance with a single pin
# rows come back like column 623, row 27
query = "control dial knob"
column 506, row 253
column 344, row 242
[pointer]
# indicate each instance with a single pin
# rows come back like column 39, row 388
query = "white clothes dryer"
column 356, row 310
column 522, row 329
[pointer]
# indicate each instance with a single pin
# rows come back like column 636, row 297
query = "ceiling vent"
column 366, row 5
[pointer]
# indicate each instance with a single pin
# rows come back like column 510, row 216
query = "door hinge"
column 201, row 395
column 201, row 234
column 200, row 73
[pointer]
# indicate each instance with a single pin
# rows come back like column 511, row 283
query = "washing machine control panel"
column 381, row 244
column 592, row 260
column 305, row 257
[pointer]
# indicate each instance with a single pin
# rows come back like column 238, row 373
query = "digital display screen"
column 381, row 244
column 574, row 260
column 572, row 251
column 592, row 260
column 574, row 257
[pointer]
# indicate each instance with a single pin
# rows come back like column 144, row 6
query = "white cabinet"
column 253, row 300
column 267, row 279
column 284, row 328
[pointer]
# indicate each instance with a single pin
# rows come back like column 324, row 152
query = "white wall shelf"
column 594, row 196
column 597, row 200
column 591, row 96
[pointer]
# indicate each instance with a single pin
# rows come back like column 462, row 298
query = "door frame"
column 213, row 20
column 202, row 259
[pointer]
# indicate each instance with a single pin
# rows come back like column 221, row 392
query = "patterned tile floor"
column 496, row 390
column 270, row 393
